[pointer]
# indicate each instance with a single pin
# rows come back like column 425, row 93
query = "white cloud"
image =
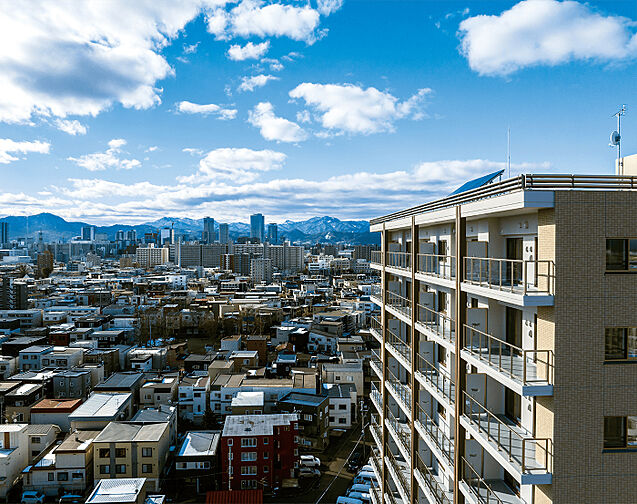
column 256, row 18
column 303, row 116
column 275, row 64
column 545, row 32
column 10, row 147
column 191, row 49
column 248, row 51
column 192, row 151
column 327, row 7
column 72, row 127
column 250, row 83
column 346, row 108
column 99, row 161
column 186, row 107
column 236, row 164
column 152, row 148
column 273, row 127
column 58, row 59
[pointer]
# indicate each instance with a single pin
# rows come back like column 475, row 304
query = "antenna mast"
column 616, row 138
column 509, row 152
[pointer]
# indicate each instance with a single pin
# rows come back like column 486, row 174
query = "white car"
column 309, row 472
column 310, row 461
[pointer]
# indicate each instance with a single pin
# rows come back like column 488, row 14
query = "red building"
column 259, row 451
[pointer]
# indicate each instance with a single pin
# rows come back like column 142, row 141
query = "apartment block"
column 507, row 335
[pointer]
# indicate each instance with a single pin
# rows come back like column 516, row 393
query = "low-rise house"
column 30, row 358
column 18, row 402
column 63, row 358
column 321, row 341
column 125, row 381
column 342, row 404
column 122, row 491
column 247, row 403
column 108, row 339
column 55, row 411
column 40, row 438
column 141, row 363
column 163, row 413
column 72, row 384
column 198, row 460
column 8, row 366
column 13, row 455
column 13, row 346
column 244, row 358
column 198, row 362
column 313, row 412
column 193, row 398
column 348, row 373
column 67, row 468
column 128, row 450
column 100, row 409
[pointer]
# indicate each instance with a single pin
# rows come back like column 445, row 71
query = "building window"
column 342, row 420
column 442, row 302
column 105, row 452
column 621, row 343
column 266, row 469
column 266, row 440
column 442, row 249
column 307, row 417
column 147, row 468
column 77, row 475
column 248, row 442
column 266, row 455
column 35, row 440
column 105, row 469
column 342, row 406
column 147, row 452
column 229, row 442
column 51, row 476
column 248, row 470
column 63, row 476
column 250, row 484
column 120, row 469
column 248, row 456
column 620, row 432
column 621, row 254
column 120, row 452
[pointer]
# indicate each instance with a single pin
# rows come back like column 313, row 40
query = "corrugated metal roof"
column 235, row 497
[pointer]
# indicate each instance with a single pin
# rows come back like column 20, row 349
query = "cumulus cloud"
column 255, row 18
column 59, row 61
column 346, row 108
column 235, row 163
column 275, row 128
column 251, row 83
column 248, row 51
column 111, row 158
column 186, row 107
column 544, row 32
column 327, row 7
column 72, row 127
column 8, row 149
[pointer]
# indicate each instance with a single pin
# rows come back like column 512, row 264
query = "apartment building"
column 13, row 455
column 151, row 256
column 507, row 331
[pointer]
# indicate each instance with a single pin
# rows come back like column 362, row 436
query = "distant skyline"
column 131, row 111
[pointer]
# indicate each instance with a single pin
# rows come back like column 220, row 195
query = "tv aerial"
column 616, row 136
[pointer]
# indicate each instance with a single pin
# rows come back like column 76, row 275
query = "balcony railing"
column 398, row 302
column 434, row 486
column 376, row 328
column 401, row 429
column 375, row 395
column 376, row 364
column 376, row 463
column 377, row 257
column 374, row 426
column 399, row 260
column 485, row 491
column 402, row 469
column 437, row 378
column 527, row 366
column 531, row 454
column 436, row 434
column 511, row 275
column 398, row 344
column 442, row 266
column 377, row 292
column 440, row 324
column 402, row 390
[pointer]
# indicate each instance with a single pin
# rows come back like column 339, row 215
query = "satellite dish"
column 614, row 138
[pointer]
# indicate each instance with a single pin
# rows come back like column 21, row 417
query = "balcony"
column 376, row 364
column 401, row 473
column 400, row 391
column 399, row 348
column 432, row 486
column 377, row 465
column 401, row 304
column 376, row 397
column 376, row 429
column 437, row 325
column 376, row 329
column 377, row 294
column 478, row 490
column 527, row 372
column 529, row 458
column 401, row 433
column 398, row 260
column 432, row 434
column 376, row 258
column 438, row 266
column 436, row 380
column 524, row 282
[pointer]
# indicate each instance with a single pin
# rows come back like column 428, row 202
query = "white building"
column 193, row 398
column 13, row 455
column 151, row 256
column 261, row 270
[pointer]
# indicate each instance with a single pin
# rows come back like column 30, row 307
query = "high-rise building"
column 4, row 234
column 151, row 256
column 208, row 230
column 167, row 236
column 506, row 321
column 88, row 233
column 13, row 293
column 273, row 233
column 224, row 233
column 261, row 270
column 45, row 263
column 131, row 235
column 257, row 226
column 119, row 236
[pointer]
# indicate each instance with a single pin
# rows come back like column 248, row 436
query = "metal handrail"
column 399, row 260
column 437, row 377
column 432, row 483
column 405, row 438
column 442, row 266
column 376, row 257
column 403, row 480
column 374, row 425
column 377, row 290
column 436, row 434
column 376, row 327
column 402, row 347
column 504, row 435
column 441, row 324
column 401, row 389
column 511, row 274
column 375, row 394
column 497, row 349
column 398, row 302
column 471, row 480
column 545, row 182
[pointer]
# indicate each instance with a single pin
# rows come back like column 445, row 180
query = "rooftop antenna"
column 509, row 152
column 616, row 137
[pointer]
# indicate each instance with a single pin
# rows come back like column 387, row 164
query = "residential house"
column 312, row 410
column 54, row 411
column 100, row 409
column 348, row 373
column 39, row 438
column 158, row 391
column 72, row 384
column 247, row 403
column 194, row 393
column 13, row 455
column 122, row 491
column 18, row 402
column 30, row 358
column 163, row 413
column 198, row 460
column 342, row 404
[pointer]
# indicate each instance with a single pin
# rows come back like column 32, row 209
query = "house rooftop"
column 248, row 399
column 118, row 432
column 256, row 425
column 124, row 490
column 200, row 443
column 55, row 405
column 101, row 406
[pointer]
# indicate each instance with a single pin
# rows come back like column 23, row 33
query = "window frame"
column 627, row 446
column 626, row 252
column 626, row 347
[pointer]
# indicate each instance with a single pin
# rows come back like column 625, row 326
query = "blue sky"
column 112, row 112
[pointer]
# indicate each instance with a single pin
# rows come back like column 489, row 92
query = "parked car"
column 310, row 461
column 354, row 461
column 71, row 499
column 309, row 472
column 32, row 497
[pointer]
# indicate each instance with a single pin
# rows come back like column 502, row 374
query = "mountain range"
column 315, row 230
